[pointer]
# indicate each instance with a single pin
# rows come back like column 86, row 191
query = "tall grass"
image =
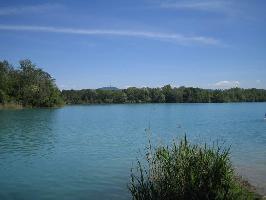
column 188, row 172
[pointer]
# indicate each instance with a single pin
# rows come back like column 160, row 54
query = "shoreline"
column 14, row 106
column 259, row 192
column 143, row 103
column 11, row 106
column 19, row 106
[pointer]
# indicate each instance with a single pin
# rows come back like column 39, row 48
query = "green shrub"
column 187, row 172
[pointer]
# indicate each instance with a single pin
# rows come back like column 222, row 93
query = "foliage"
column 187, row 172
column 28, row 86
column 166, row 94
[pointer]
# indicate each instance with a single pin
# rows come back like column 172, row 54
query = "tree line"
column 27, row 85
column 166, row 94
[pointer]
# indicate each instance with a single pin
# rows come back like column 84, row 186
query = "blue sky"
column 90, row 44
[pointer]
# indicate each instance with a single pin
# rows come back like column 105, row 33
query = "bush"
column 187, row 172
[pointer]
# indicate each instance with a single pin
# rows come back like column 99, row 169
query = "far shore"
column 11, row 106
column 20, row 106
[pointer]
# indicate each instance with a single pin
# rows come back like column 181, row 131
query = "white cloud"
column 66, row 87
column 28, row 9
column 226, row 84
column 177, row 38
column 258, row 81
column 201, row 5
column 173, row 85
column 126, row 86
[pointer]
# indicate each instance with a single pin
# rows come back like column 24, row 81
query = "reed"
column 188, row 172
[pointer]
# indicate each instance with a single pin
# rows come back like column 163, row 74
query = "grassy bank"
column 11, row 106
column 188, row 172
column 19, row 106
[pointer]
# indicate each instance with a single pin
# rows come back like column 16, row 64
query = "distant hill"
column 108, row 88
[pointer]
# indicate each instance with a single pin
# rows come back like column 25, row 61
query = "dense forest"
column 166, row 94
column 27, row 85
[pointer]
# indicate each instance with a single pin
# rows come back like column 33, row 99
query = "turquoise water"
column 86, row 152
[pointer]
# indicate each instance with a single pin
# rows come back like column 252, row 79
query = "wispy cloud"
column 226, row 84
column 201, row 5
column 16, row 10
column 177, row 38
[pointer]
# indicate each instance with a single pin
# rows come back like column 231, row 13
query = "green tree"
column 28, row 85
column 168, row 93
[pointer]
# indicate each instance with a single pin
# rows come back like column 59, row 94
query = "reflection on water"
column 86, row 152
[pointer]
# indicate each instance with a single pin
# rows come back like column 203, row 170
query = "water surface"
column 86, row 152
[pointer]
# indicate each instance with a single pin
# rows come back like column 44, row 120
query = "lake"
column 86, row 152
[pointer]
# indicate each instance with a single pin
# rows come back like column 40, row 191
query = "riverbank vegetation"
column 30, row 86
column 27, row 86
column 166, row 94
column 187, row 172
